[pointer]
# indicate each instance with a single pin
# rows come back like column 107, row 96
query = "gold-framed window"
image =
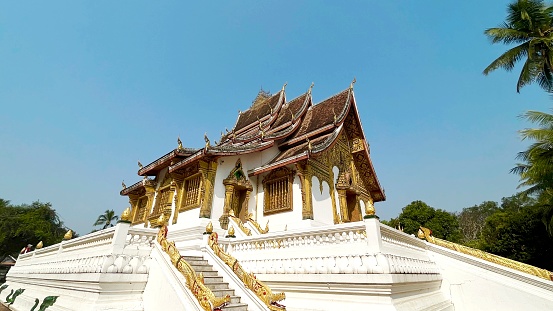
column 277, row 188
column 162, row 200
column 192, row 188
column 141, row 210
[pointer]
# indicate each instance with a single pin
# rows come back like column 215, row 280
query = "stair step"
column 202, row 268
column 209, row 273
column 192, row 258
column 222, row 292
column 196, row 262
column 213, row 279
column 215, row 283
column 236, row 307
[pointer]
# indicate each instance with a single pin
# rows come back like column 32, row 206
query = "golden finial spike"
column 311, row 87
column 206, row 140
column 123, row 184
column 209, row 228
column 179, row 142
column 231, row 231
column 284, row 86
column 352, row 83
column 140, row 165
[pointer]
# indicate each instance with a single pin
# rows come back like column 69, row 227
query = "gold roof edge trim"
column 425, row 233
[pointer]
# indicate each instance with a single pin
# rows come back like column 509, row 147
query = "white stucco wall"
column 475, row 284
column 322, row 202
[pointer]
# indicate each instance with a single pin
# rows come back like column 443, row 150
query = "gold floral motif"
column 250, row 281
column 195, row 283
column 425, row 233
column 256, row 224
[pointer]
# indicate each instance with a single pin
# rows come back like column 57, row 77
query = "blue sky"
column 89, row 88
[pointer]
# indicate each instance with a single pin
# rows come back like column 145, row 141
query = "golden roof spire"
column 140, row 166
column 179, row 142
column 352, row 83
column 311, row 87
column 284, row 86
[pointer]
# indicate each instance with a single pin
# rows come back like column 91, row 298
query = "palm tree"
column 106, row 219
column 536, row 172
column 529, row 25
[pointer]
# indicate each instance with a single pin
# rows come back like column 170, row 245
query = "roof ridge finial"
column 284, row 86
column 140, row 166
column 179, row 142
column 206, row 140
column 311, row 87
column 352, row 83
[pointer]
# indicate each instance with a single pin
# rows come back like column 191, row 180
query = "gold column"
column 133, row 200
column 179, row 183
column 229, row 191
column 150, row 193
column 305, row 177
column 208, row 169
column 343, row 205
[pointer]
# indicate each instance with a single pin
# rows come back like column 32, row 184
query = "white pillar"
column 374, row 239
column 120, row 237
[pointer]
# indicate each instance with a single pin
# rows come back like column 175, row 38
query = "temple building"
column 278, row 215
column 292, row 162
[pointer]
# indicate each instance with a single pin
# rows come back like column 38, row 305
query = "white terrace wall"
column 104, row 270
column 475, row 284
column 346, row 265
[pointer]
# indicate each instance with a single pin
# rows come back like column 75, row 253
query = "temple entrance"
column 240, row 204
column 354, row 212
column 237, row 193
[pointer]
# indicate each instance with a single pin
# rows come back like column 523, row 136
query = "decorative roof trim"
column 366, row 149
column 308, row 102
column 164, row 159
column 198, row 155
column 286, row 161
column 264, row 118
column 339, row 120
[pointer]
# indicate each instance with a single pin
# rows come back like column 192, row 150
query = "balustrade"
column 327, row 250
column 98, row 252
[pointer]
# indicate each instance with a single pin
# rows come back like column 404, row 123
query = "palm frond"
column 506, row 35
column 508, row 59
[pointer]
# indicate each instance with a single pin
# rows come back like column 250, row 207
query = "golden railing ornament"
column 262, row 291
column 425, row 233
column 126, row 215
column 230, row 232
column 39, row 245
column 68, row 235
column 209, row 228
column 194, row 282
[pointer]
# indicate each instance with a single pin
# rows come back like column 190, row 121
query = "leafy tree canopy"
column 443, row 224
column 516, row 232
column 28, row 224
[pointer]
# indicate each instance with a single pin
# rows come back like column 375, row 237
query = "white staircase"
column 215, row 283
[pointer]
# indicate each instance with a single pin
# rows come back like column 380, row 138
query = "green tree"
column 536, row 170
column 529, row 26
column 516, row 232
column 28, row 224
column 472, row 221
column 443, row 224
column 107, row 219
